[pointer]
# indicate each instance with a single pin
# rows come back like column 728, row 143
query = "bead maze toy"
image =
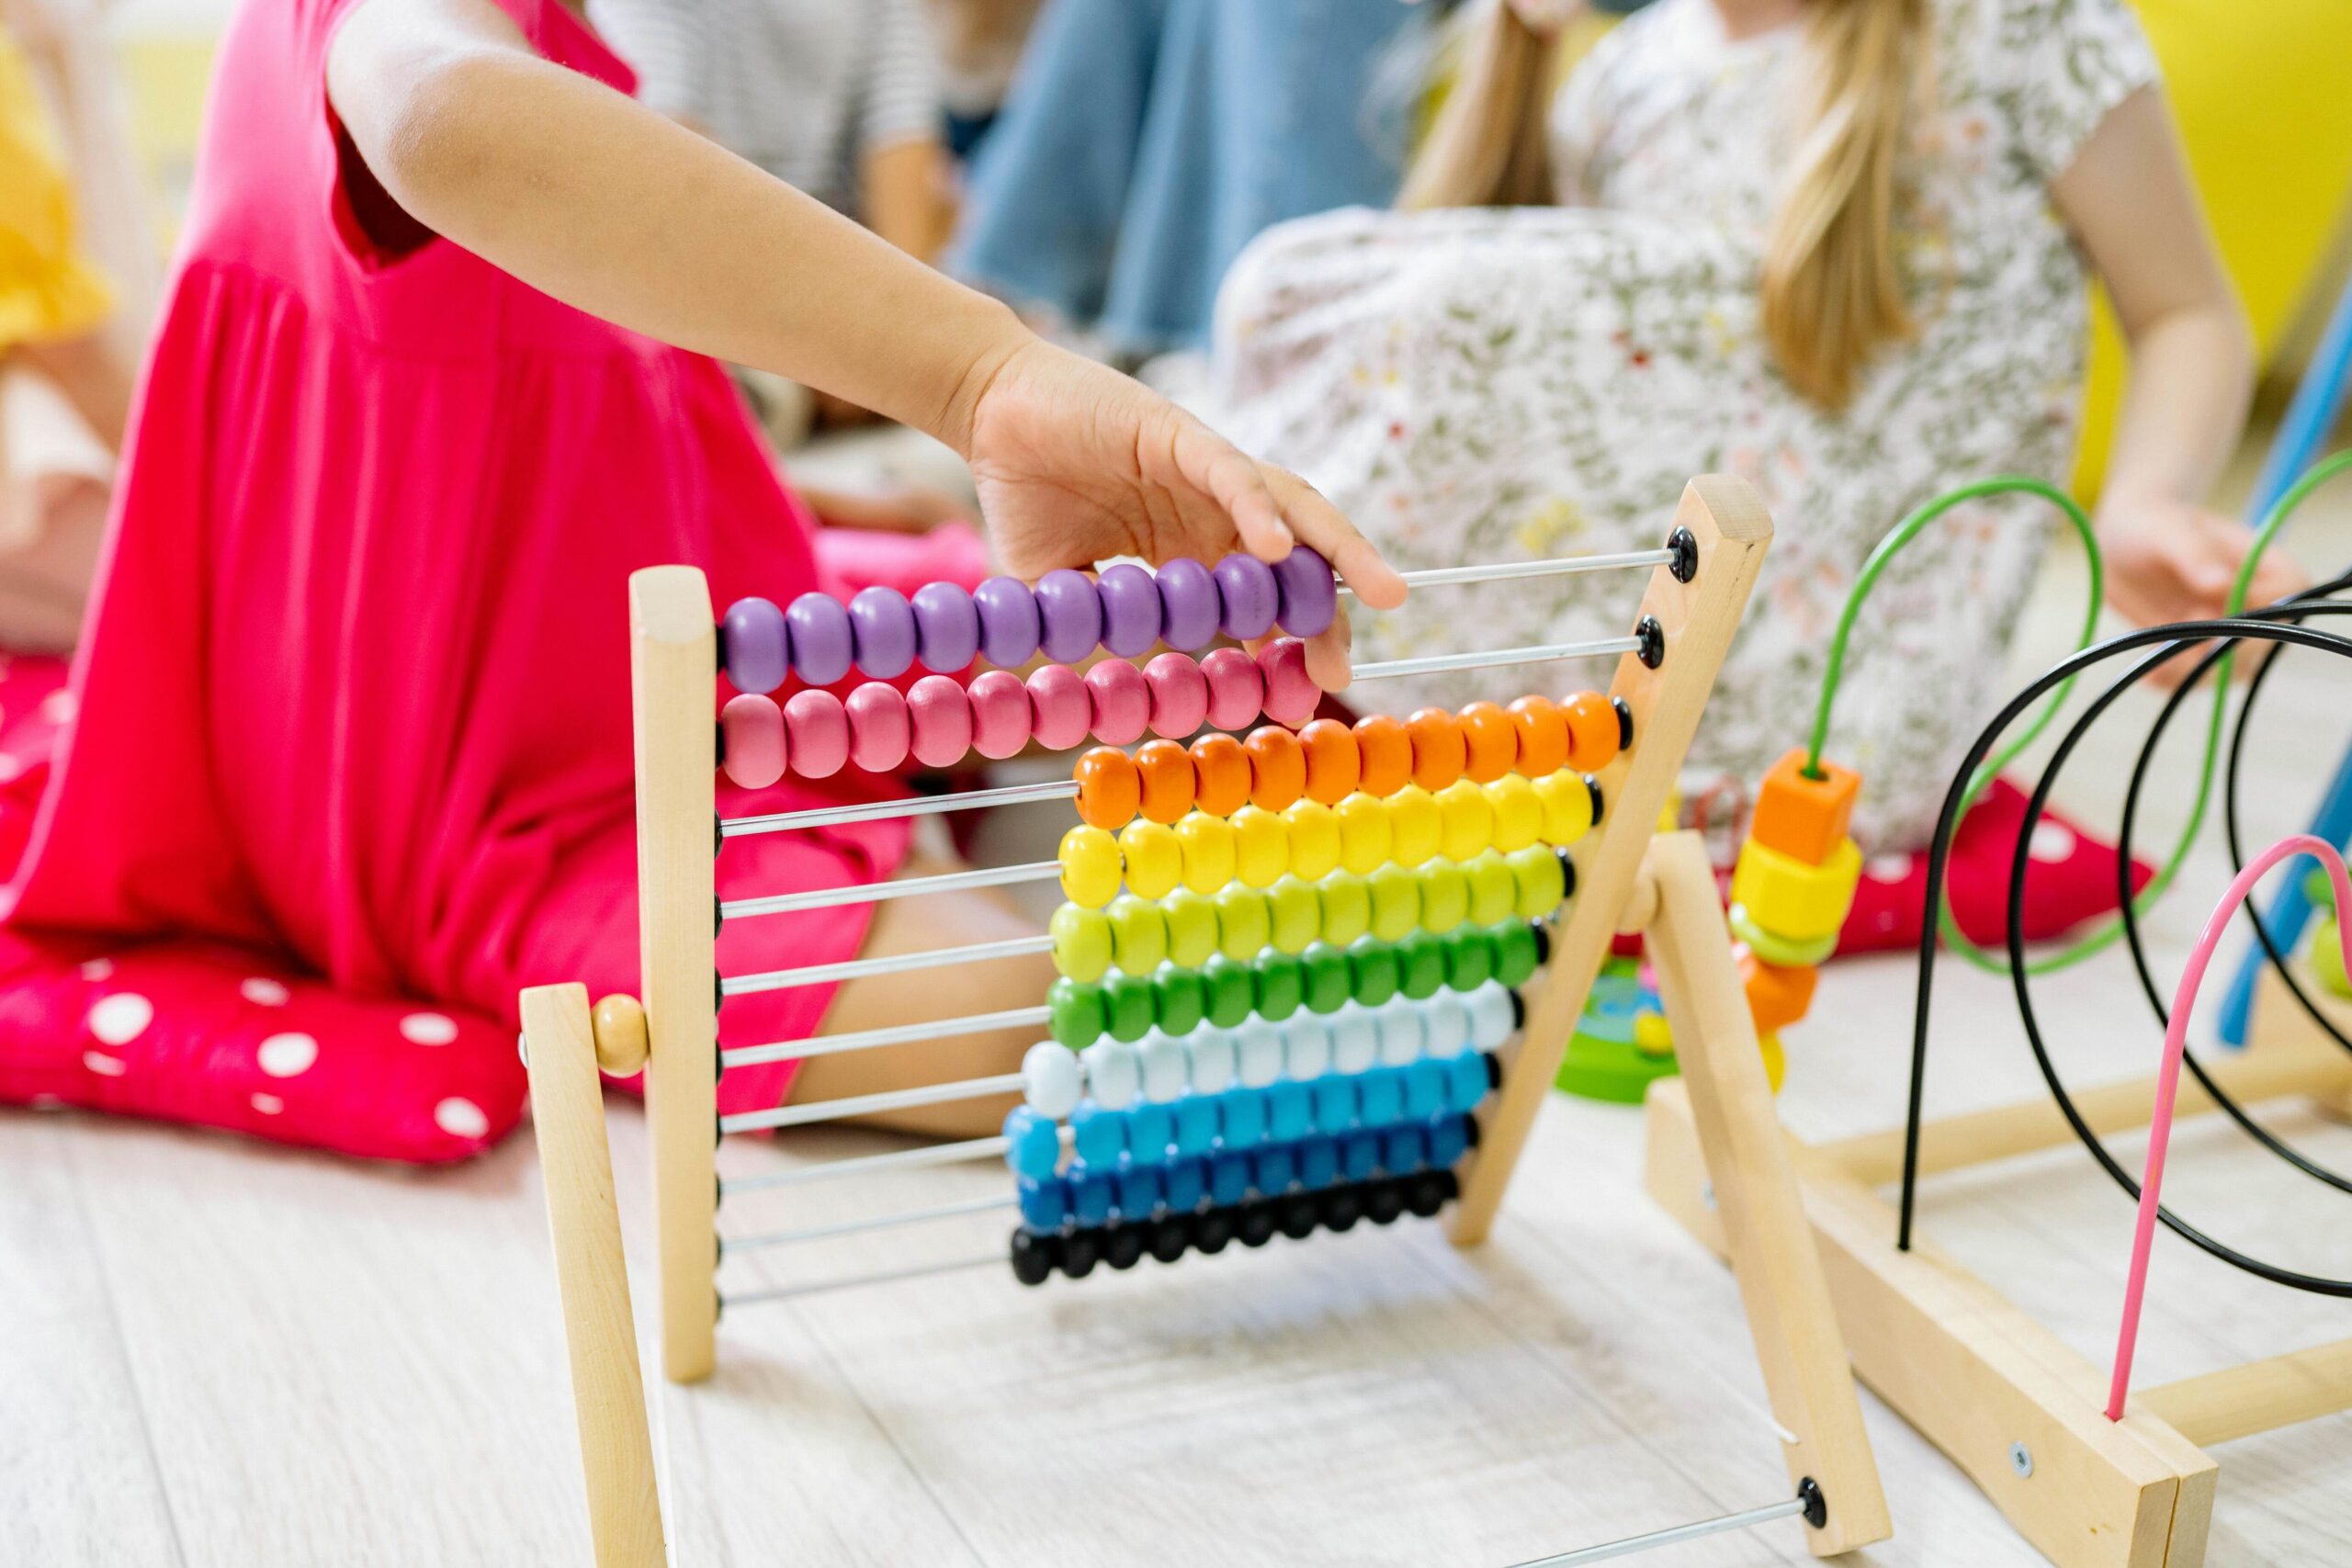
column 1308, row 979
column 2091, row 1471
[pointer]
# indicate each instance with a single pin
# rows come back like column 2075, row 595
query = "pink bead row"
column 939, row 720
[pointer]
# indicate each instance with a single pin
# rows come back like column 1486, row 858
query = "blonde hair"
column 1832, row 284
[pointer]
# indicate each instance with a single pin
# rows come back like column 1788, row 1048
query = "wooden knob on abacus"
column 621, row 1043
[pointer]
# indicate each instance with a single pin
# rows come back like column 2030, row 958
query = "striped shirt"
column 804, row 88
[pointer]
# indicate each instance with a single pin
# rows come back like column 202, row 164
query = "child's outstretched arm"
column 590, row 196
column 2127, row 195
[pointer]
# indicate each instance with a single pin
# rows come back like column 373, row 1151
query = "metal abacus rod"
column 904, row 887
column 900, row 1034
column 1555, row 565
column 871, row 1104
column 882, row 810
column 1542, row 653
column 1804, row 1503
column 969, row 1149
column 893, row 964
column 994, row 1259
column 1640, row 642
column 869, row 1222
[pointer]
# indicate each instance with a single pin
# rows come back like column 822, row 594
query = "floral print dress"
column 1485, row 385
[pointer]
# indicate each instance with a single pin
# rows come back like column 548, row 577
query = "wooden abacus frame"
column 1626, row 877
column 2020, row 1413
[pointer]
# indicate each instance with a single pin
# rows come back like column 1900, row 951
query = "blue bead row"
column 1130, row 1190
column 1241, row 1119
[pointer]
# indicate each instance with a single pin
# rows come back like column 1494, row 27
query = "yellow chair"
column 2259, row 93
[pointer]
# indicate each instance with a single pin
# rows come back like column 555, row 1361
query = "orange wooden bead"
column 1386, row 751
column 1776, row 997
column 1109, row 789
column 1490, row 742
column 1166, row 770
column 1592, row 731
column 1220, row 775
column 1439, row 751
column 1334, row 765
column 1277, row 767
column 1804, row 819
column 1543, row 736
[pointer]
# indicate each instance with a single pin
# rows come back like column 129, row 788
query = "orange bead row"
column 1328, row 760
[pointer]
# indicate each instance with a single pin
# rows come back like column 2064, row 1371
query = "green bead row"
column 1187, row 929
column 1323, row 978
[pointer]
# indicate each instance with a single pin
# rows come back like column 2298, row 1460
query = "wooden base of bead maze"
column 1626, row 877
column 2019, row 1411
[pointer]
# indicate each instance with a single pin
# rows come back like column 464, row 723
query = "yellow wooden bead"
column 1416, row 826
column 1207, row 845
column 1154, row 860
column 1192, row 927
column 618, row 1024
column 1396, row 902
column 1081, row 942
column 1260, row 846
column 1364, row 833
column 1445, row 897
column 1519, row 812
column 1139, row 934
column 1245, row 919
column 1467, row 819
column 1796, row 902
column 1494, row 891
column 1313, row 831
column 1652, row 1037
column 1568, row 807
column 1347, row 908
column 1296, row 915
column 1089, row 858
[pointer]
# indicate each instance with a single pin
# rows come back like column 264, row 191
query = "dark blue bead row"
column 1036, row 1254
column 1128, row 1189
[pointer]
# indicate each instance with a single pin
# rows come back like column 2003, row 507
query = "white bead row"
column 1163, row 1067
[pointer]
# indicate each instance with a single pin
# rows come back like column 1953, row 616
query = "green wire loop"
column 1886, row 550
column 1946, row 926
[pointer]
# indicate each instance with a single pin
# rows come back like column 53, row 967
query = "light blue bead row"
column 1242, row 1119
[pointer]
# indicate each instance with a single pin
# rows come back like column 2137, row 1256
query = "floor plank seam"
column 121, row 1341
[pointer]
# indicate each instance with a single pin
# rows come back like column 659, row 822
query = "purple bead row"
column 883, row 632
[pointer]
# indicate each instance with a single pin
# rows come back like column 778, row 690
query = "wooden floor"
column 215, row 1353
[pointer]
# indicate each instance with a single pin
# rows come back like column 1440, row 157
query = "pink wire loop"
column 2184, row 999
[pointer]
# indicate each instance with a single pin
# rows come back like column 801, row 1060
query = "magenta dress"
column 354, row 689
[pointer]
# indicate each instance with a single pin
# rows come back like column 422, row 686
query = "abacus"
column 1315, row 976
column 2095, row 1472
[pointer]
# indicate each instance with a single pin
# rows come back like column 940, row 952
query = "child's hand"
column 2172, row 560
column 1076, row 462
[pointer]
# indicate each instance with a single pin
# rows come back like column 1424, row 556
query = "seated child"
column 430, row 382
column 1838, row 247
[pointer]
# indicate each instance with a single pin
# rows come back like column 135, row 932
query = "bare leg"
column 909, row 925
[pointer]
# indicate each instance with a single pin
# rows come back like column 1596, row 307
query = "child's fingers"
column 1328, row 663
column 1239, row 488
column 1321, row 525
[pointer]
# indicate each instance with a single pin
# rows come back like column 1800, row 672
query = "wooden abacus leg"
column 673, row 661
column 1731, row 531
column 1798, row 1345
column 599, row 1330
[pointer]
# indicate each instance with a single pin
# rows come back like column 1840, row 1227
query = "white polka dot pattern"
column 265, row 992
column 284, row 1056
column 428, row 1028
column 460, row 1118
column 119, row 1019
